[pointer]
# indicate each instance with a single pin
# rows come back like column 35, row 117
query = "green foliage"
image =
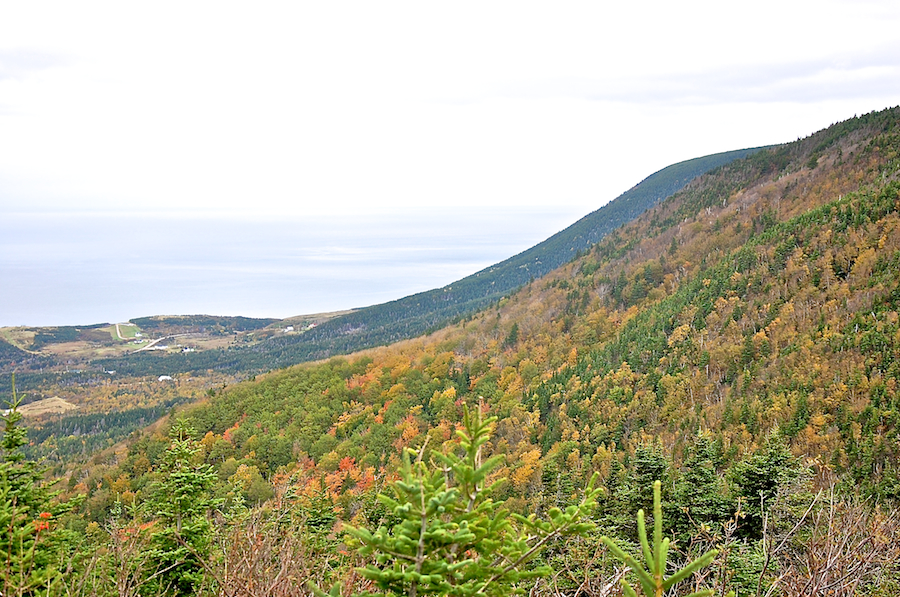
column 513, row 336
column 181, row 502
column 30, row 542
column 53, row 335
column 11, row 355
column 416, row 314
column 69, row 437
column 452, row 538
column 759, row 478
column 195, row 323
column 699, row 491
column 651, row 573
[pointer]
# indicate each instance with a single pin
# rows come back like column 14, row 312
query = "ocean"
column 87, row 268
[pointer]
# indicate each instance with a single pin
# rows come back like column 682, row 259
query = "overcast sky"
column 337, row 107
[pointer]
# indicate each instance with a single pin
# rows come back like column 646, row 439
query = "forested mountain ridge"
column 413, row 315
column 761, row 295
column 102, row 373
column 740, row 341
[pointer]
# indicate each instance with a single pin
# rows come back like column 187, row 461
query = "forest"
column 417, row 314
column 701, row 402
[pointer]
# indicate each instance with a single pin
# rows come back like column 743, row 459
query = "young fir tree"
column 759, row 478
column 700, row 495
column 30, row 542
column 651, row 572
column 452, row 538
column 181, row 502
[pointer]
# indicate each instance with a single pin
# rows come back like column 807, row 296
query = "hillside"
column 763, row 295
column 111, row 371
column 413, row 315
column 739, row 341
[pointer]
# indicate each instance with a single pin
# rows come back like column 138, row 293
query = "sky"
column 279, row 158
column 289, row 109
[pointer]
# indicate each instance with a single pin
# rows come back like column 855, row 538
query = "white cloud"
column 331, row 107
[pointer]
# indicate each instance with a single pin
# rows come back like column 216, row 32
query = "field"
column 55, row 405
column 124, row 331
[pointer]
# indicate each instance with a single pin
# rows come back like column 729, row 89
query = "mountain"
column 739, row 341
column 764, row 293
column 413, row 315
column 762, row 298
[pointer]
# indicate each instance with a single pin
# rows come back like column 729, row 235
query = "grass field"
column 21, row 338
column 124, row 331
column 45, row 406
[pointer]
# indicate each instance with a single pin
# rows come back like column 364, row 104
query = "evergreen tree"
column 635, row 491
column 700, row 497
column 30, row 542
column 651, row 572
column 452, row 538
column 759, row 478
column 181, row 502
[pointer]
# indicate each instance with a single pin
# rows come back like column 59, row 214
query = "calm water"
column 81, row 269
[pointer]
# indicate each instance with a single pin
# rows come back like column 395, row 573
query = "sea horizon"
column 79, row 269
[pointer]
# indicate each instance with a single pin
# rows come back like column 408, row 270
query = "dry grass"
column 21, row 338
column 53, row 405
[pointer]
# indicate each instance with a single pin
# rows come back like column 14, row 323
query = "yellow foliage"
column 679, row 335
column 527, row 471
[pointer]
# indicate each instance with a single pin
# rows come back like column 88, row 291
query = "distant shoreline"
column 93, row 269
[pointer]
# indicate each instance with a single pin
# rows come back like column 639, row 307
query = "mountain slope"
column 739, row 342
column 771, row 305
column 416, row 314
column 412, row 315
